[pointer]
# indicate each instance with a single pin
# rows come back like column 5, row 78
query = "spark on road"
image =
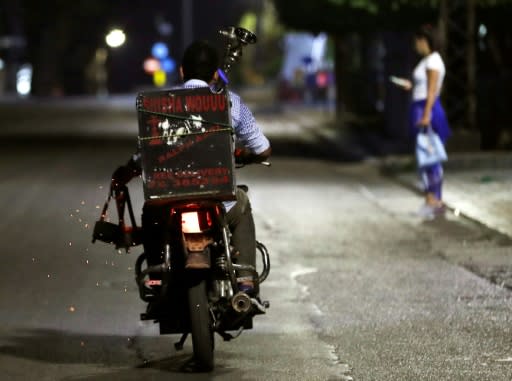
column 302, row 271
column 508, row 359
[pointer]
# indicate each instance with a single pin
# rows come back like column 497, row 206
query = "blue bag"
column 429, row 148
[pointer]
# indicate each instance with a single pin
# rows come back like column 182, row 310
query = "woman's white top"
column 420, row 83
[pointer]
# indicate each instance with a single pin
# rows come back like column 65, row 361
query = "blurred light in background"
column 24, row 80
column 151, row 65
column 2, row 64
column 322, row 79
column 164, row 27
column 168, row 65
column 160, row 50
column 159, row 78
column 115, row 38
column 482, row 33
column 159, row 64
column 482, row 30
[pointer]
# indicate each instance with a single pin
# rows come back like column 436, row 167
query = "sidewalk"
column 477, row 185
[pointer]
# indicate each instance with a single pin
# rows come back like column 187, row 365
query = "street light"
column 24, row 80
column 115, row 38
column 98, row 68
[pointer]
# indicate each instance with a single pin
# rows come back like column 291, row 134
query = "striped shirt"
column 247, row 131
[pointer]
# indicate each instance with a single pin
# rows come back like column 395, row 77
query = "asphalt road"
column 360, row 288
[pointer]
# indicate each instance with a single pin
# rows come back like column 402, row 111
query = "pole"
column 187, row 22
column 471, row 64
column 443, row 27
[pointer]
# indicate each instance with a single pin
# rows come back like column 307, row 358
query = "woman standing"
column 426, row 110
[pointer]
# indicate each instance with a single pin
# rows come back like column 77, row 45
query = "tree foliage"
column 339, row 16
column 62, row 37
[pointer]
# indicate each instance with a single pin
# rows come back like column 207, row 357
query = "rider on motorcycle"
column 199, row 69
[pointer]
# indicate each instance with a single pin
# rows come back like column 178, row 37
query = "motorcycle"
column 197, row 302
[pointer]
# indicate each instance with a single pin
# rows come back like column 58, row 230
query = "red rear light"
column 209, row 221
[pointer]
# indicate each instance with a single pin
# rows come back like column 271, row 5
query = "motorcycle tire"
column 201, row 326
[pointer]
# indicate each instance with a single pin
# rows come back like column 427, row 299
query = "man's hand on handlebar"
column 243, row 156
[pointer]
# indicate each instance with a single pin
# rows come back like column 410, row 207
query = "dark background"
column 62, row 36
column 59, row 38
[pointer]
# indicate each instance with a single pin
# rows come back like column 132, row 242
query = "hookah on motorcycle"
column 198, row 271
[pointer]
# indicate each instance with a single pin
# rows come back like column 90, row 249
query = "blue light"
column 223, row 76
column 160, row 50
column 168, row 65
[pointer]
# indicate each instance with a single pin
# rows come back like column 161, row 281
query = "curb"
column 456, row 161
column 394, row 176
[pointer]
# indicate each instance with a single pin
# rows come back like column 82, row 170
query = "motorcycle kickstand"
column 179, row 344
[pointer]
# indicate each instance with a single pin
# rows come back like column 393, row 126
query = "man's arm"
column 245, row 156
column 255, row 147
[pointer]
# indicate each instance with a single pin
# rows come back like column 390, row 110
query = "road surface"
column 360, row 288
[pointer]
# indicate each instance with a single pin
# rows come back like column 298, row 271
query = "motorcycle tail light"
column 190, row 222
column 196, row 221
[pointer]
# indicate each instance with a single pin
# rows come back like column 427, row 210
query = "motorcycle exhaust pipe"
column 241, row 302
column 236, row 315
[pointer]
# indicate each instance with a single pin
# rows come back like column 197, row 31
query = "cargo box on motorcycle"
column 185, row 139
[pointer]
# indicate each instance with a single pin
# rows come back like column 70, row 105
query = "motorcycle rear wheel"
column 201, row 326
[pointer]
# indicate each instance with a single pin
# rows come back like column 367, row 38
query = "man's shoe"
column 198, row 261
